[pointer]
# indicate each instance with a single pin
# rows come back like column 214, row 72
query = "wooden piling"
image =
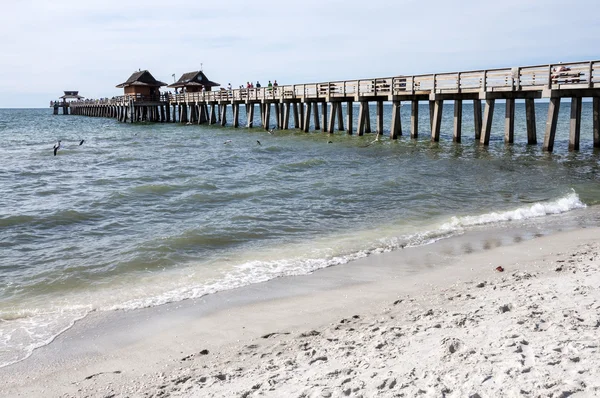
column 340, row 116
column 437, row 120
column 477, row 118
column 488, row 117
column 596, row 117
column 361, row 117
column 575, row 124
column 286, row 115
column 379, row 114
column 324, row 116
column 551, row 123
column 250, row 114
column 530, row 118
column 456, row 136
column 349, row 116
column 295, row 115
column 396, row 127
column 509, row 121
column 414, row 119
column 306, row 122
column 332, row 117
column 316, row 120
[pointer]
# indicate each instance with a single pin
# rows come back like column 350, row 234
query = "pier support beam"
column 488, row 117
column 236, row 115
column 361, row 117
column 250, row 113
column 431, row 112
column 324, row 117
column 340, row 116
column 509, row 121
column 306, row 119
column 278, row 116
column 267, row 121
column 223, row 114
column 530, row 117
column 379, row 115
column 437, row 119
column 213, row 117
column 332, row 117
column 596, row 117
column 316, row 120
column 301, row 115
column 396, row 128
column 414, row 119
column 551, row 122
column 295, row 115
column 349, row 117
column 477, row 118
column 286, row 115
column 456, row 136
column 575, row 125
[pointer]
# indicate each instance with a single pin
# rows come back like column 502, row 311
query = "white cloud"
column 50, row 46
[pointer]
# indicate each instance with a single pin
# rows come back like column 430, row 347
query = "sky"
column 47, row 47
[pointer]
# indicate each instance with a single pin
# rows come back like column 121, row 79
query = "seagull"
column 227, row 142
column 81, row 142
column 56, row 147
column 258, row 142
column 270, row 131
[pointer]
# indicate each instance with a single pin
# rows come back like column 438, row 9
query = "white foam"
column 561, row 205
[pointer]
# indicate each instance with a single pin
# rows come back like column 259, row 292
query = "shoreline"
column 127, row 351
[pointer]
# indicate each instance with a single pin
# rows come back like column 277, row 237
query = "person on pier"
column 257, row 84
column 229, row 86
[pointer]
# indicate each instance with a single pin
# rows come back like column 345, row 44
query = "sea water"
column 145, row 214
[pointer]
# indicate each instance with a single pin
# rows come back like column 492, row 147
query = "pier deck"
column 575, row 80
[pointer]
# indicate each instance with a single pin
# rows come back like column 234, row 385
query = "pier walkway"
column 300, row 102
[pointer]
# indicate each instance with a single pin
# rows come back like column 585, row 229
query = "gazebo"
column 71, row 95
column 193, row 82
column 142, row 83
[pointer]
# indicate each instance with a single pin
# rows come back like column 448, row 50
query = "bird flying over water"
column 56, row 147
column 227, row 142
column 81, row 142
column 258, row 142
column 270, row 131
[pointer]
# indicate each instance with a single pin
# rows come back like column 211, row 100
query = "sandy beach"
column 437, row 320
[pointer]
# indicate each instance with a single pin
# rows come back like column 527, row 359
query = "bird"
column 56, row 147
column 227, row 142
column 81, row 142
column 270, row 131
column 258, row 142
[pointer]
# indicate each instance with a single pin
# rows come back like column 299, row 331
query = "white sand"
column 457, row 329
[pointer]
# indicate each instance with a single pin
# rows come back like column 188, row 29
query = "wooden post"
column 477, row 118
column 340, row 117
column 301, row 115
column 361, row 117
column 379, row 117
column 367, row 117
column 295, row 114
column 509, row 121
column 316, row 120
column 437, row 120
column 488, row 117
column 250, row 122
column 213, row 116
column 457, row 120
column 551, row 122
column 306, row 120
column 277, row 115
column 530, row 117
column 332, row 117
column 431, row 112
column 414, row 119
column 261, row 108
column 396, row 128
column 596, row 117
column 267, row 122
column 575, row 125
column 324, row 117
column 349, row 116
column 236, row 115
column 286, row 115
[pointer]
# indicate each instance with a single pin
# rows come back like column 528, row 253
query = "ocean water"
column 145, row 214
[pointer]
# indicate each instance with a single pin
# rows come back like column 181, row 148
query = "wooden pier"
column 322, row 102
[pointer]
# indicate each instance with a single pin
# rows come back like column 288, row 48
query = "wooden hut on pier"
column 193, row 82
column 142, row 84
column 64, row 100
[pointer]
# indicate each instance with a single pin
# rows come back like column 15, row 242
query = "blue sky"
column 91, row 46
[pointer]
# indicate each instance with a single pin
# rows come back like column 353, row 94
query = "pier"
column 295, row 105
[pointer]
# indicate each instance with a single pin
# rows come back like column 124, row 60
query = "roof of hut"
column 71, row 95
column 142, row 78
column 197, row 78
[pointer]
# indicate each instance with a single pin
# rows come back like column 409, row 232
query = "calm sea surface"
column 145, row 214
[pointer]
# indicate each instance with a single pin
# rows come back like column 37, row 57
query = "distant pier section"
column 322, row 102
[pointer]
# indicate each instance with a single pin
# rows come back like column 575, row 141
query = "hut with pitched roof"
column 193, row 82
column 142, row 83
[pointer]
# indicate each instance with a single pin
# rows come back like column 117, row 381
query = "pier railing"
column 575, row 75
